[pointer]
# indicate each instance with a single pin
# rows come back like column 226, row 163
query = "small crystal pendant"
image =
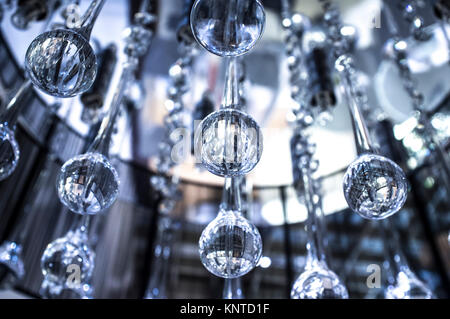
column 9, row 152
column 230, row 246
column 408, row 286
column 67, row 265
column 88, row 184
column 375, row 187
column 318, row 282
column 11, row 262
column 230, row 142
column 61, row 63
column 227, row 28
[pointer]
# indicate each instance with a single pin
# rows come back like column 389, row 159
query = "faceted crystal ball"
column 229, row 142
column 318, row 283
column 227, row 28
column 230, row 246
column 375, row 187
column 65, row 256
column 88, row 184
column 61, row 63
column 9, row 152
column 408, row 286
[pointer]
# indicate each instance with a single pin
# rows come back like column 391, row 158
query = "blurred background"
column 137, row 248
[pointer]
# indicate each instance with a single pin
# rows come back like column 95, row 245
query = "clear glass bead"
column 166, row 206
column 230, row 246
column 9, row 152
column 10, row 258
column 64, row 257
column 227, row 28
column 61, row 63
column 137, row 40
column 88, row 184
column 318, row 283
column 375, row 187
column 408, row 286
column 230, row 142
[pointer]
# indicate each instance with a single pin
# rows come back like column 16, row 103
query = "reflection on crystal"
column 11, row 264
column 88, row 184
column 408, row 286
column 61, row 63
column 135, row 95
column 230, row 142
column 155, row 294
column 230, row 246
column 232, row 289
column 221, row 28
column 375, row 187
column 318, row 282
column 9, row 152
column 164, row 185
column 137, row 40
column 67, row 264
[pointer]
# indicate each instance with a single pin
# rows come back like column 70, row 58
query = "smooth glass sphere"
column 88, row 184
column 375, row 187
column 61, row 63
column 230, row 246
column 229, row 142
column 9, row 152
column 318, row 283
column 227, row 28
column 65, row 256
column 408, row 286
